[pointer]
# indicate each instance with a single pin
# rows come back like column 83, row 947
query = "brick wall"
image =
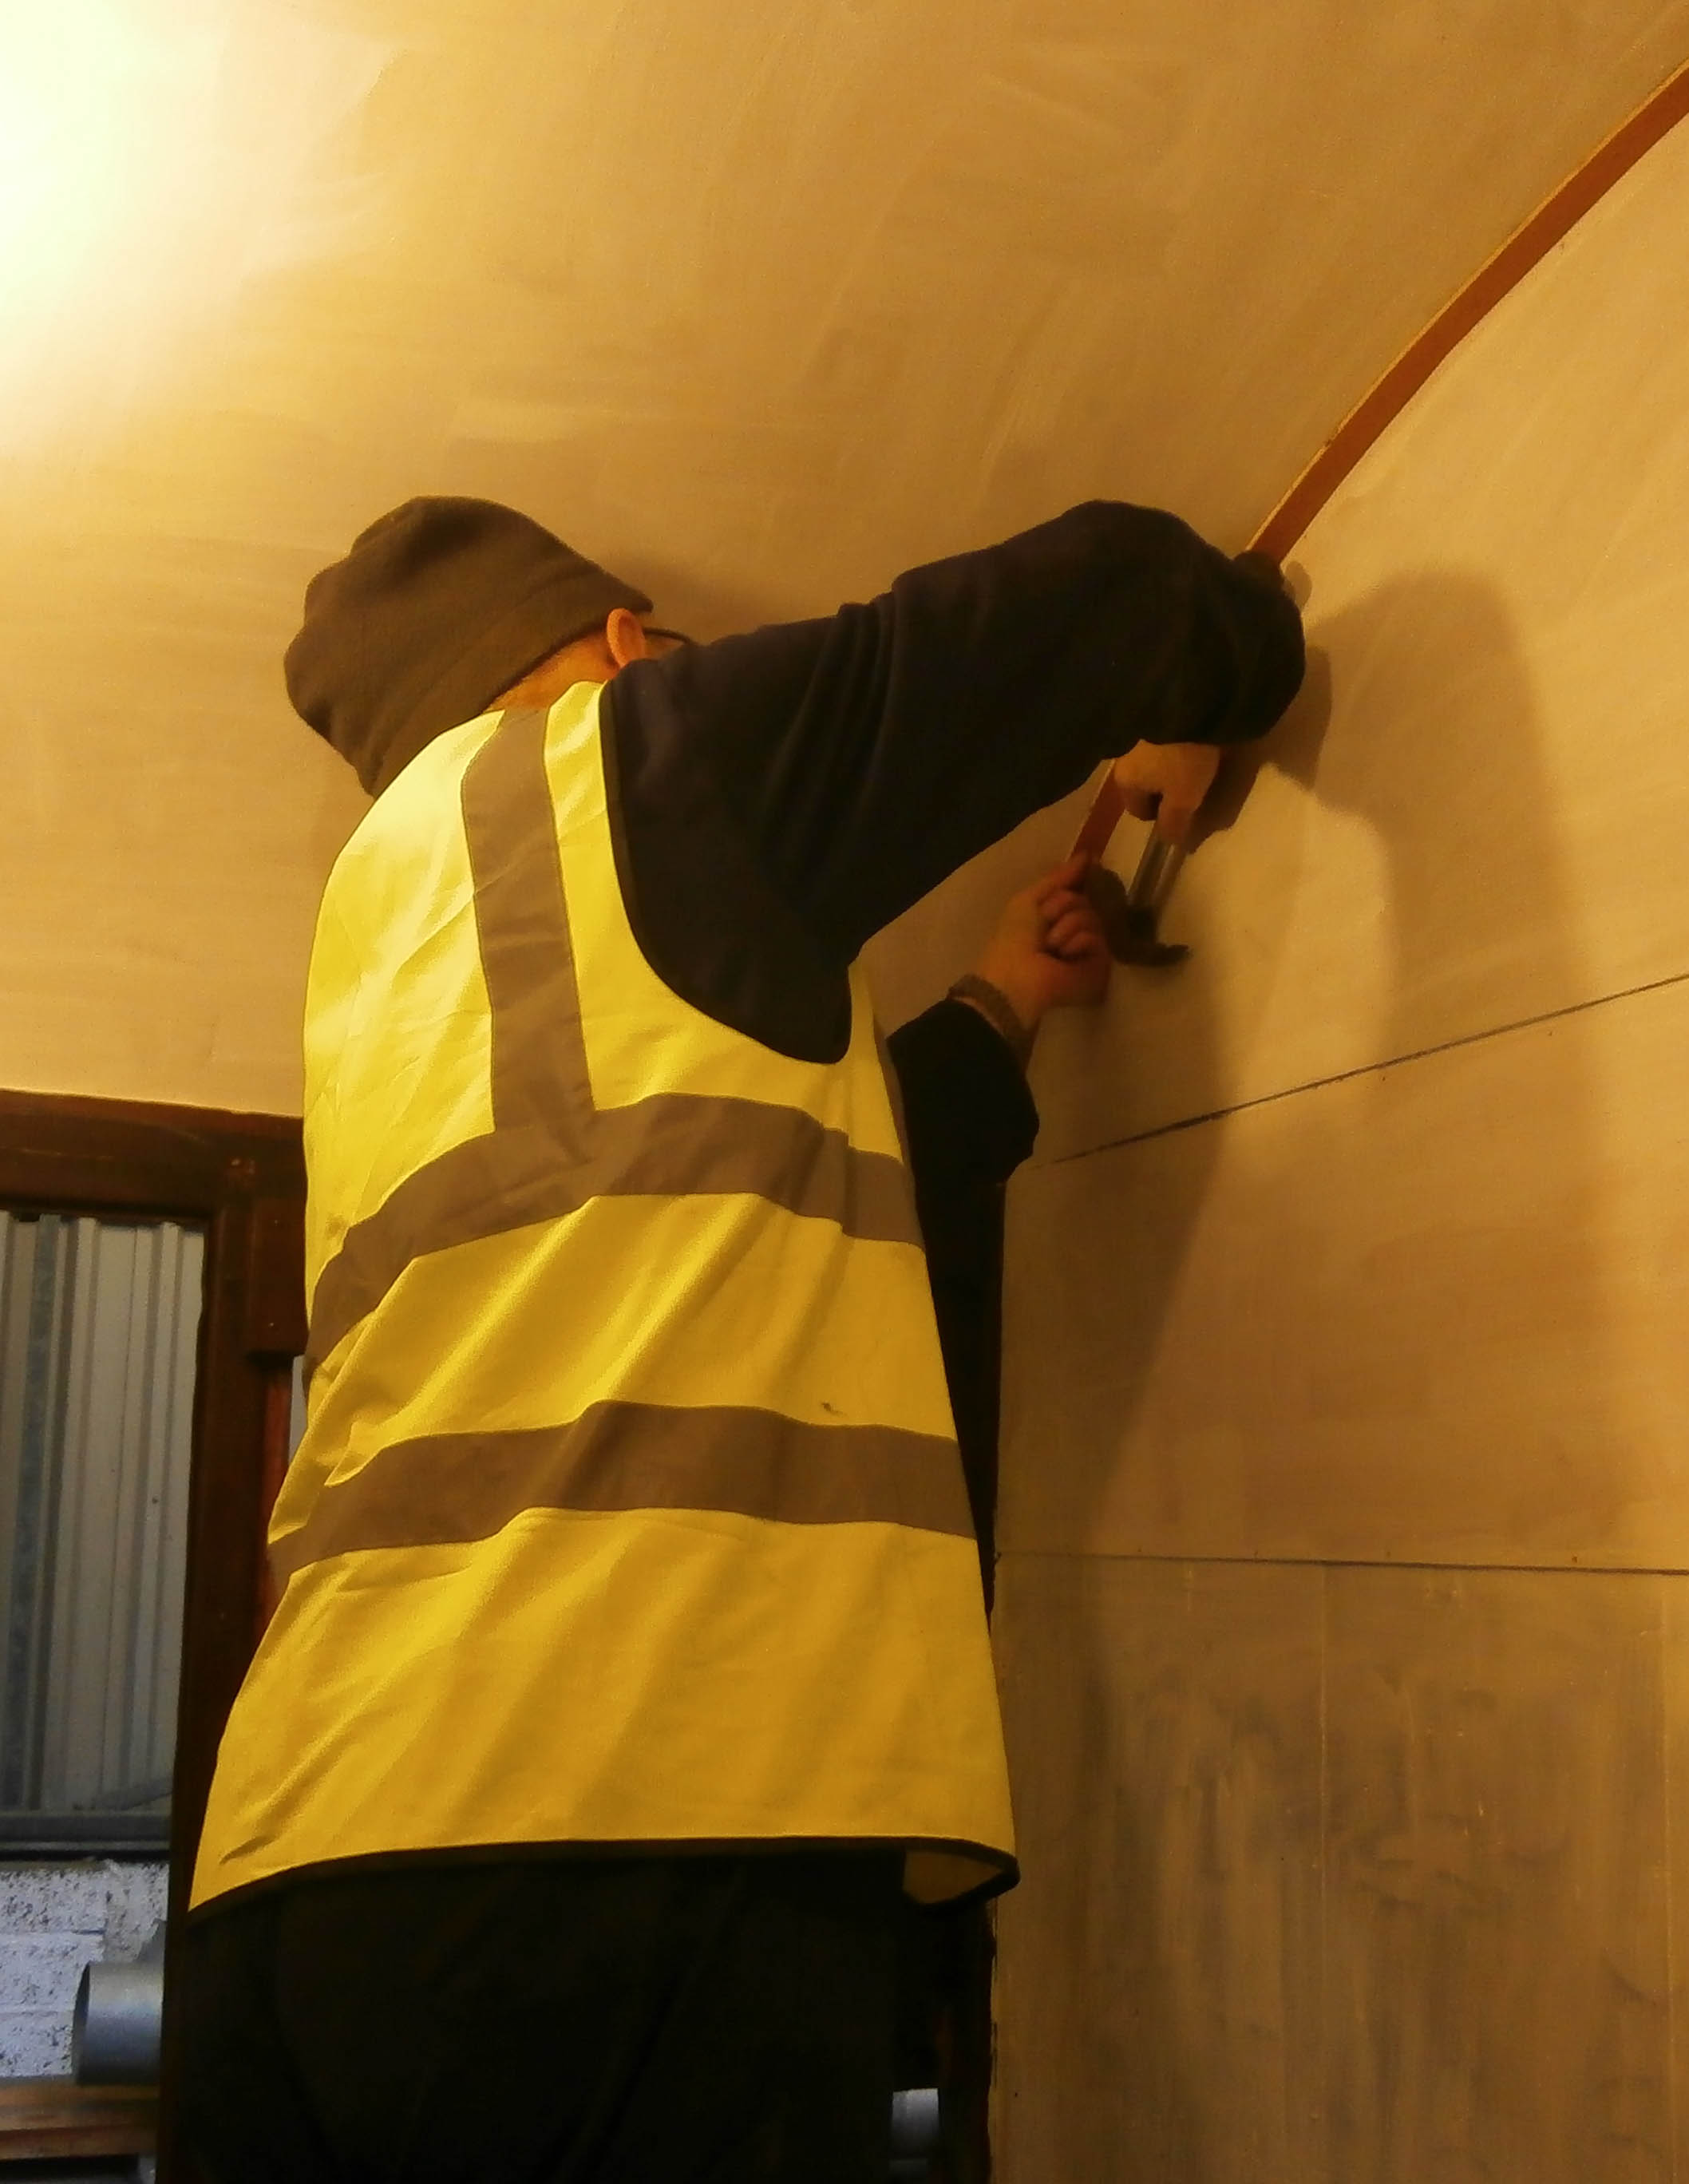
column 54, row 1919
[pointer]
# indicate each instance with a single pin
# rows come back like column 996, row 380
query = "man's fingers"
column 1073, row 929
column 1166, row 782
column 1171, row 816
column 1063, row 909
column 1065, row 879
column 1173, row 820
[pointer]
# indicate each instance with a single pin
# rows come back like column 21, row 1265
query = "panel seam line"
column 1365, row 1069
column 1422, row 1564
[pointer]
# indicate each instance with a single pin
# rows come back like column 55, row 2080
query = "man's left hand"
column 1048, row 951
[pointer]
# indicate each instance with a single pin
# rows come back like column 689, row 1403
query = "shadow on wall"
column 1281, row 1334
column 1368, row 1317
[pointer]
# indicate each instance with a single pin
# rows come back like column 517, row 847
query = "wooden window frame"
column 242, row 1178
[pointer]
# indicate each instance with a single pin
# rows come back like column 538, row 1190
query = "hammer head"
column 1128, row 926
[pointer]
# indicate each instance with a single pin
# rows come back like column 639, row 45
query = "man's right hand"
column 1166, row 782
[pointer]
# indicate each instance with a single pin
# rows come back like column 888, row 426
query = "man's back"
column 629, row 1508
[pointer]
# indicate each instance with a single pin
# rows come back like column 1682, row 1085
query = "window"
column 99, row 1321
column 235, row 1185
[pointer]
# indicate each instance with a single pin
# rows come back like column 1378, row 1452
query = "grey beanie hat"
column 439, row 606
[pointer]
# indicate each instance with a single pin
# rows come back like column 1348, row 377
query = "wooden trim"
column 130, row 1156
column 51, row 2119
column 1525, row 248
column 242, row 1177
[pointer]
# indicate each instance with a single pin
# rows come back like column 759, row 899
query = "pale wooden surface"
column 1345, row 1877
column 55, row 2119
column 1675, row 1686
column 1414, row 1292
column 1476, row 813
column 1496, row 1921
column 1159, row 1997
column 762, row 305
column 1432, row 1313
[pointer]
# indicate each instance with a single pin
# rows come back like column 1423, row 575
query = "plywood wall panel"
column 1159, row 2003
column 1495, row 1904
column 1363, row 1241
column 1347, row 1876
column 1476, row 814
column 1431, row 1313
column 1675, row 1685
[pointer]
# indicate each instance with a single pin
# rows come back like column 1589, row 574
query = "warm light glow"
column 156, row 157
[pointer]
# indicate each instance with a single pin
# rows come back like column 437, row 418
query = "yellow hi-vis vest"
column 629, row 1511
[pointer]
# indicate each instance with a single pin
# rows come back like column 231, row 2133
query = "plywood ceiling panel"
column 762, row 306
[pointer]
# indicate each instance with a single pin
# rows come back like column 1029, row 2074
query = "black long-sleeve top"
column 777, row 798
column 970, row 1121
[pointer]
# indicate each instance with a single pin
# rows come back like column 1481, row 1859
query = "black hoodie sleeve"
column 789, row 792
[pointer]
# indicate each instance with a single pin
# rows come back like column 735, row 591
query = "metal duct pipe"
column 914, row 2133
column 115, row 2029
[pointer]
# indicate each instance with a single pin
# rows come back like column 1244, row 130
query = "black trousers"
column 706, row 2019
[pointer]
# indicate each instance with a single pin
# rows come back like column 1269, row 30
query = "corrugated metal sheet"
column 98, row 1328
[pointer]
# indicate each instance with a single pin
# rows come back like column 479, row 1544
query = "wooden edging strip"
column 1524, row 248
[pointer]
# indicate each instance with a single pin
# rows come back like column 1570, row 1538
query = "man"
column 632, row 1659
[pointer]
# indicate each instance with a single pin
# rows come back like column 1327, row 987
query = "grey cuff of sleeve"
column 993, row 1004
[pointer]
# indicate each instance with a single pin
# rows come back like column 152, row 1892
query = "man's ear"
column 624, row 634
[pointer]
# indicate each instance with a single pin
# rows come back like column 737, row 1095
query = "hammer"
column 1130, row 910
column 1128, row 913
